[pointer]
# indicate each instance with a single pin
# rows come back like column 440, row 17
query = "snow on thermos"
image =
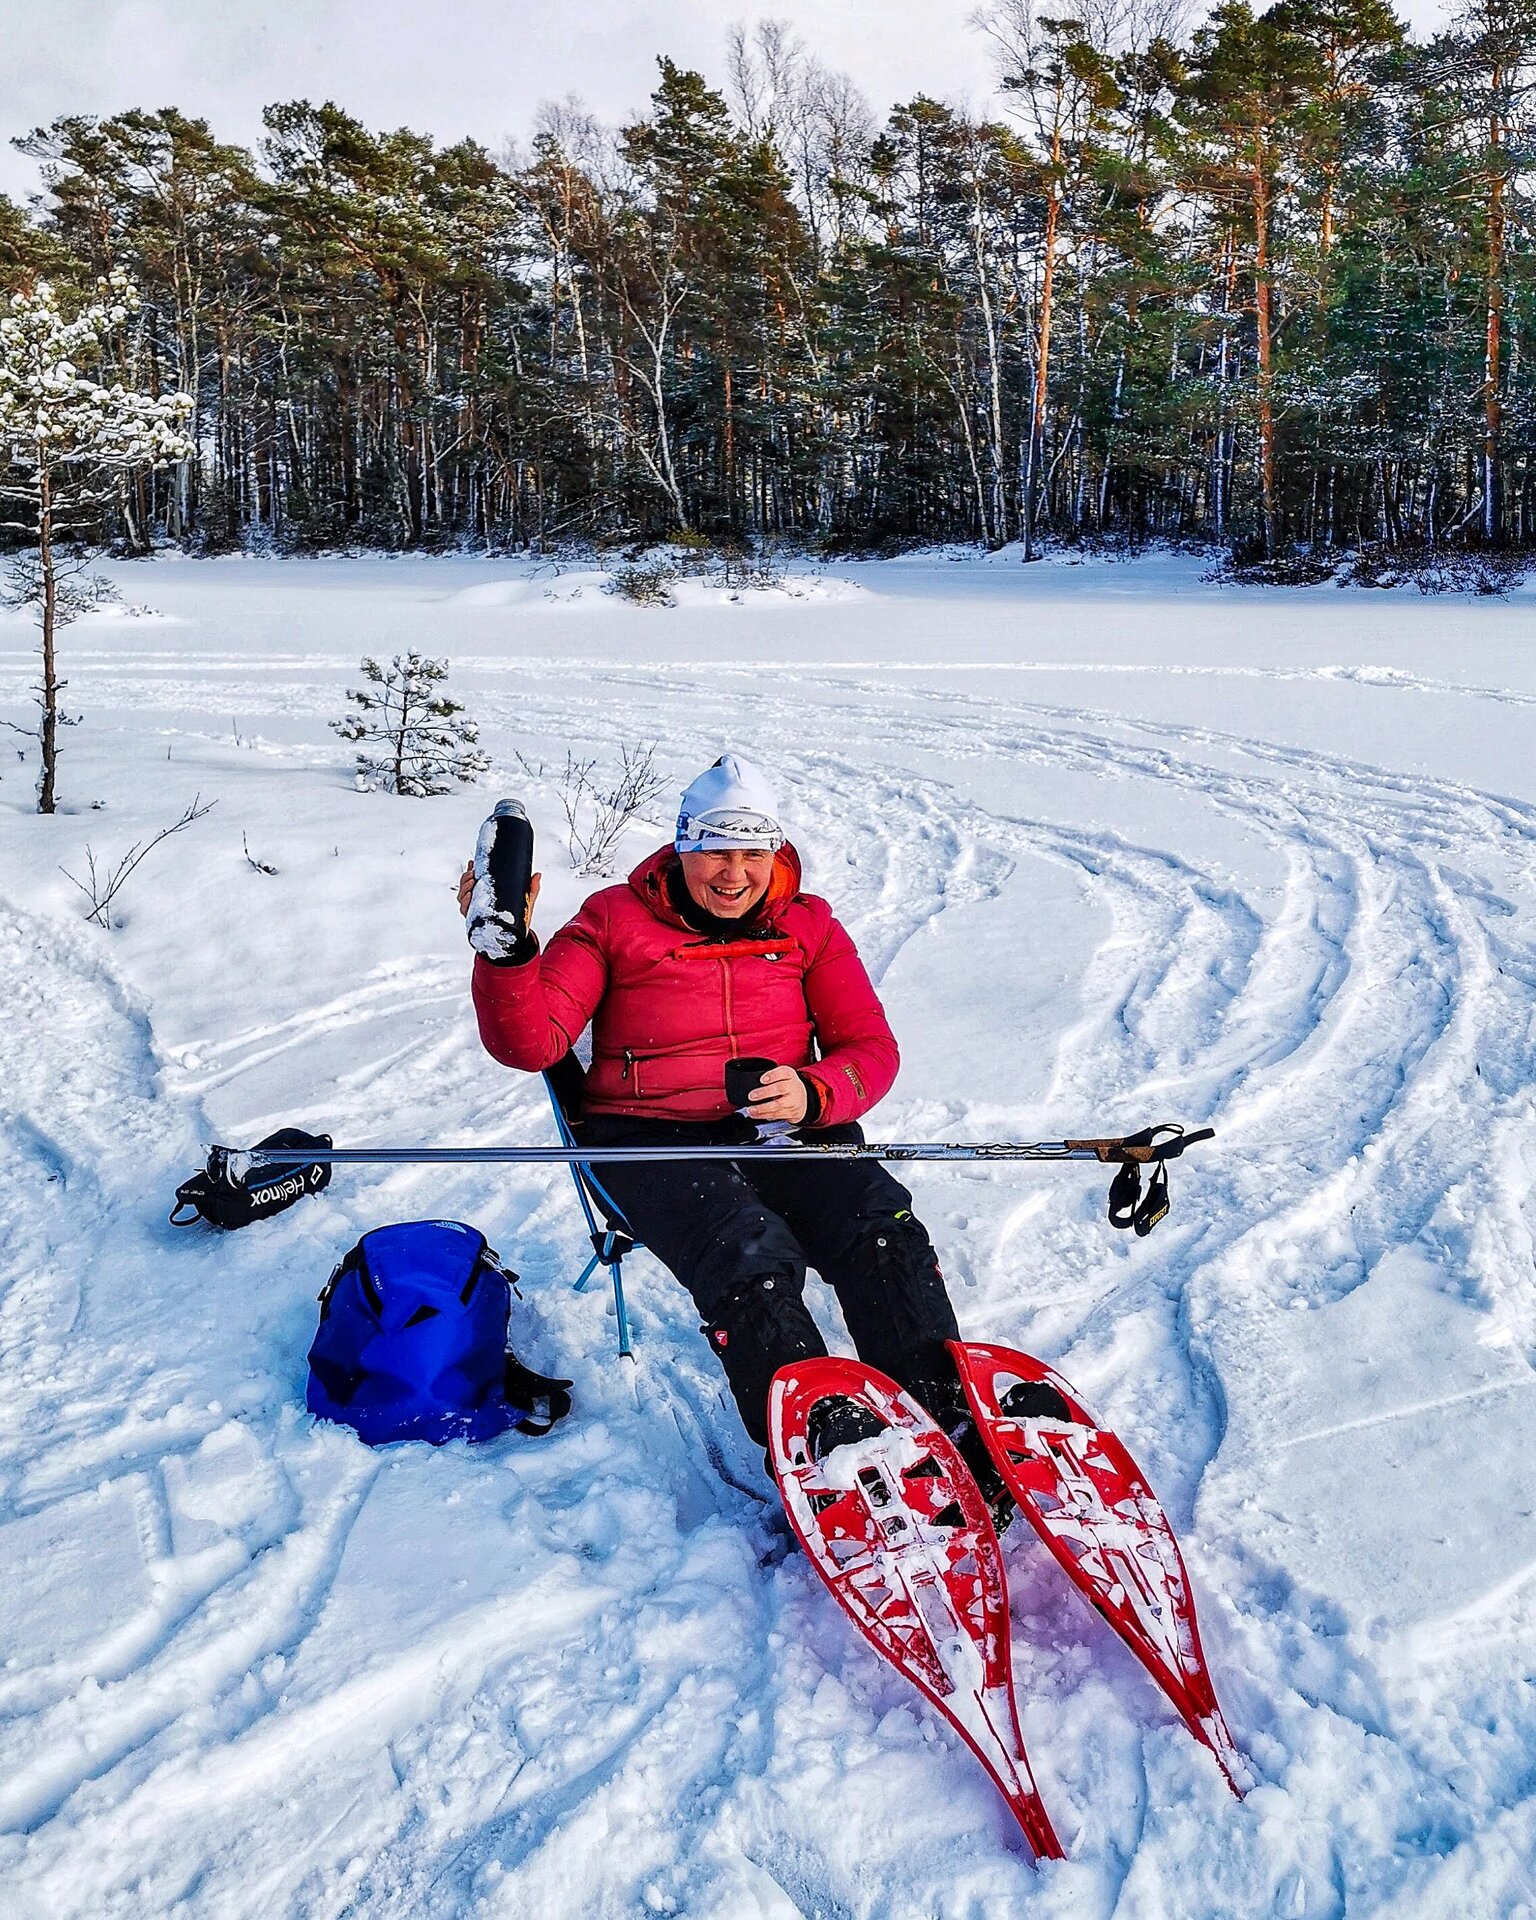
column 511, row 860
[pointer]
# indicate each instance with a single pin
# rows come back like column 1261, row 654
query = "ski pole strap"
column 1154, row 1203
column 1124, row 1193
column 1128, row 1205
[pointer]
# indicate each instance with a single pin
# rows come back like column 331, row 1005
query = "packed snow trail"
column 250, row 1668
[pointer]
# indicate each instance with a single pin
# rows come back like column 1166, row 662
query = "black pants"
column 740, row 1240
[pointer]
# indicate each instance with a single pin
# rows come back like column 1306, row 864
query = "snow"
column 1120, row 846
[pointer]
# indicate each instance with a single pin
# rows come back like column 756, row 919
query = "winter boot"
column 946, row 1401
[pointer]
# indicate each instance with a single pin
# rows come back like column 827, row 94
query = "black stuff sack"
column 412, row 1342
column 230, row 1193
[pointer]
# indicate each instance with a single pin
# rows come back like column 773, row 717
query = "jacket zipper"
column 629, row 1064
column 725, row 975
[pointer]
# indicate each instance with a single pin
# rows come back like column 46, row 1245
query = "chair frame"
column 610, row 1235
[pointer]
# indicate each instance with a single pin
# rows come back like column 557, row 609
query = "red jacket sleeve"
column 531, row 1015
column 859, row 1056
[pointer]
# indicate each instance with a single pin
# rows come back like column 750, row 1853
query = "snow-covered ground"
column 1119, row 846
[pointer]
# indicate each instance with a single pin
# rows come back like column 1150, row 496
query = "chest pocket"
column 765, row 1008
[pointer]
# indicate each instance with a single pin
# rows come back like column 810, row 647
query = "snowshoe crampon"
column 1091, row 1505
column 891, row 1519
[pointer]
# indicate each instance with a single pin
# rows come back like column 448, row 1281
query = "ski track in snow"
column 611, row 1691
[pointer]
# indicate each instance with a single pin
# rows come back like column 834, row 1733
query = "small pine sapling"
column 413, row 739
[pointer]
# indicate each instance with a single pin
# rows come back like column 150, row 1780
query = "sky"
column 477, row 67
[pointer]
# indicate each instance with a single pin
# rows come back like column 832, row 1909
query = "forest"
column 1264, row 281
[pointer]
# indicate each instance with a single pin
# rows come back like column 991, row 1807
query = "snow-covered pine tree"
column 420, row 743
column 66, row 445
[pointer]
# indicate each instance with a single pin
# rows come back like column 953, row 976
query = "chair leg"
column 586, row 1275
column 626, row 1350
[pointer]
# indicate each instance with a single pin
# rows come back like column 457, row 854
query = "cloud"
column 478, row 67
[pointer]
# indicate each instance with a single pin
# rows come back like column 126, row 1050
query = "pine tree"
column 1485, row 74
column 155, row 195
column 26, row 253
column 1250, row 78
column 1060, row 71
column 426, row 745
column 67, row 445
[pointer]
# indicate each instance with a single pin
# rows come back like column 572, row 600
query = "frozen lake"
column 1118, row 846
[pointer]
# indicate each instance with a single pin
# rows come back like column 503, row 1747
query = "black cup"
column 743, row 1077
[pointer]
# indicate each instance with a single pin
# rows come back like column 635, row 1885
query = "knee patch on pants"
column 758, row 1328
column 894, row 1299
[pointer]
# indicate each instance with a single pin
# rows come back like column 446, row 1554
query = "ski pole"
column 1135, row 1149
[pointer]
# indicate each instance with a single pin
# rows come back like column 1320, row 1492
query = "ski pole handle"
column 1144, row 1147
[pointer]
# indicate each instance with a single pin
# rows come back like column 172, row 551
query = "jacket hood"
column 649, row 881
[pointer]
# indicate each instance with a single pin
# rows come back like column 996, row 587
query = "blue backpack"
column 412, row 1342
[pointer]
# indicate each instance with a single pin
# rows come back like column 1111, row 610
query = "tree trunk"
column 48, row 735
column 730, row 449
column 1493, row 341
column 998, row 531
column 658, row 386
column 1042, row 349
column 1264, row 343
column 1109, row 443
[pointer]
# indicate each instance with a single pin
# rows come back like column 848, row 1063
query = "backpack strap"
column 539, row 1398
column 190, row 1194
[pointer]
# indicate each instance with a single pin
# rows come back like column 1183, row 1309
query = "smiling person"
column 711, row 951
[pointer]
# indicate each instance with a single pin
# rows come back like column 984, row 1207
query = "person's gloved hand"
column 500, row 935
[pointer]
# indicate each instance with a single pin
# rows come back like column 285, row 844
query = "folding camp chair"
column 607, row 1228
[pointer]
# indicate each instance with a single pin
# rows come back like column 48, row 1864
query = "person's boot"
column 944, row 1397
column 900, row 1326
column 1035, row 1400
column 838, row 1421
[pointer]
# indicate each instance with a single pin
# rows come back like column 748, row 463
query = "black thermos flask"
column 512, row 860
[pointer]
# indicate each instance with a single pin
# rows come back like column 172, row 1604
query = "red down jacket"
column 670, row 1005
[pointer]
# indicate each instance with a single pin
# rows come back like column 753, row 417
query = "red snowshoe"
column 1089, row 1502
column 892, row 1520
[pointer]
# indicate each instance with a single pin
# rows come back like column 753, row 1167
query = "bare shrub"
column 1411, row 563
column 600, row 806
column 752, row 570
column 1437, row 569
column 1300, row 567
column 103, row 884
